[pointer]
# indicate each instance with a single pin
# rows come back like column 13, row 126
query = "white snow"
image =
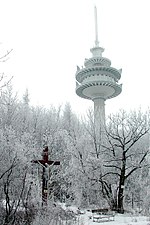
column 86, row 219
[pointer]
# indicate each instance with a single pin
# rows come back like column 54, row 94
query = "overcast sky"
column 49, row 38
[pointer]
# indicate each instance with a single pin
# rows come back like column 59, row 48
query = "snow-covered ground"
column 86, row 219
column 119, row 219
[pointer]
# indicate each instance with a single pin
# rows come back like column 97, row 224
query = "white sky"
column 49, row 38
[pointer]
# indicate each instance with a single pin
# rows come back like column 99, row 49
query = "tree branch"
column 3, row 58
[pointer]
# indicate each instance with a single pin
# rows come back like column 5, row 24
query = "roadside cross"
column 45, row 163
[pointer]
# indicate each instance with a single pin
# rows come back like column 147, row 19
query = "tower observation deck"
column 97, row 80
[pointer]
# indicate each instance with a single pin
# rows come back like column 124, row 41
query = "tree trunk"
column 120, row 208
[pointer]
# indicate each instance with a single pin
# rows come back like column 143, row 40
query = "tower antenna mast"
column 96, row 27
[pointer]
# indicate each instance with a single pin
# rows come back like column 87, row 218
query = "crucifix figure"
column 45, row 163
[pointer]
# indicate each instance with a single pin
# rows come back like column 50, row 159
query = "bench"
column 102, row 215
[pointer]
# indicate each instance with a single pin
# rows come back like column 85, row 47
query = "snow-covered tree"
column 125, row 151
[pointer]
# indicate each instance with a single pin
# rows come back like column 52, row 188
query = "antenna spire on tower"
column 96, row 27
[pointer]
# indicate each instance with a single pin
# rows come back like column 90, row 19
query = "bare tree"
column 125, row 151
column 14, row 191
column 4, row 58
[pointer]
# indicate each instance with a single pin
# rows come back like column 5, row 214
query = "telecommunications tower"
column 97, row 80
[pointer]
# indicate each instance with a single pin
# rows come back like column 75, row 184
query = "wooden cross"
column 45, row 163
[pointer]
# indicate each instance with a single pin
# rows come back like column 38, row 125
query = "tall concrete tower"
column 97, row 80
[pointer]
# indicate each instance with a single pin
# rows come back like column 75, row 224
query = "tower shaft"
column 99, row 120
column 99, row 112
